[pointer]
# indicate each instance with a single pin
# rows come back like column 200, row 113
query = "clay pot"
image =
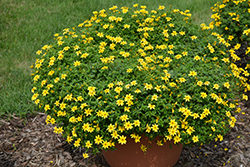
column 131, row 155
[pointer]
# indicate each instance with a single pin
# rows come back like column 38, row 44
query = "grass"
column 26, row 26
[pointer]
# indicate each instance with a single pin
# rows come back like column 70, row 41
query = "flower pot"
column 131, row 155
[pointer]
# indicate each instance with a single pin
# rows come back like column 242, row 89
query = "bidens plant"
column 129, row 72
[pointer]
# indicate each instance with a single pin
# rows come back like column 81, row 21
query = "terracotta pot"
column 131, row 155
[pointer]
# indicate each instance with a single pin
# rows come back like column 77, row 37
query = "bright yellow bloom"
column 120, row 102
column 190, row 130
column 155, row 128
column 128, row 125
column 88, row 144
column 151, row 106
column 203, row 95
column 195, row 139
column 118, row 89
column 192, row 73
column 154, row 97
column 105, row 144
column 47, row 107
column 148, row 86
column 88, row 111
column 85, row 155
column 199, row 83
column 98, row 139
column 122, row 140
column 173, row 123
column 177, row 139
column 216, row 86
column 182, row 80
column 124, row 117
column 128, row 97
column 68, row 97
column 187, row 98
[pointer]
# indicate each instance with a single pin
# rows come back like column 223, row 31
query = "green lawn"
column 27, row 25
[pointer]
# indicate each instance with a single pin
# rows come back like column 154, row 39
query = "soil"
column 33, row 143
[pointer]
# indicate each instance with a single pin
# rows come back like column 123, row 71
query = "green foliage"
column 129, row 71
column 232, row 19
column 27, row 25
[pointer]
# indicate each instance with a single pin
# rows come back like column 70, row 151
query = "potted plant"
column 129, row 75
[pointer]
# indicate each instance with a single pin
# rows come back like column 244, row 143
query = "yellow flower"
column 203, row 95
column 98, row 139
column 197, row 58
column 219, row 100
column 52, row 121
column 161, row 7
column 190, row 130
column 187, row 98
column 88, row 144
column 124, row 117
column 193, row 37
column 177, row 139
column 120, row 102
column 47, row 107
column 182, row 80
column 84, row 55
column 128, row 125
column 206, row 83
column 172, row 84
column 105, row 114
column 118, row 89
column 137, row 123
column 69, row 139
column 88, row 111
column 159, row 143
column 128, row 97
column 220, row 137
column 130, row 103
column 74, row 108
column 144, row 148
column 155, row 128
column 245, row 97
column 72, row 119
column 86, row 127
column 85, row 155
column 199, row 83
column 133, row 83
column 195, row 139
column 148, row 86
column 172, row 123
column 105, row 144
column 151, row 107
column 137, row 91
column 192, row 73
column 122, row 140
column 206, row 111
column 154, row 97
column 216, row 86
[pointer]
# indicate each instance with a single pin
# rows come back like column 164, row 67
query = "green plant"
column 129, row 71
column 22, row 32
column 232, row 19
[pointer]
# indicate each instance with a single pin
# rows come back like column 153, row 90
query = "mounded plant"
column 128, row 72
